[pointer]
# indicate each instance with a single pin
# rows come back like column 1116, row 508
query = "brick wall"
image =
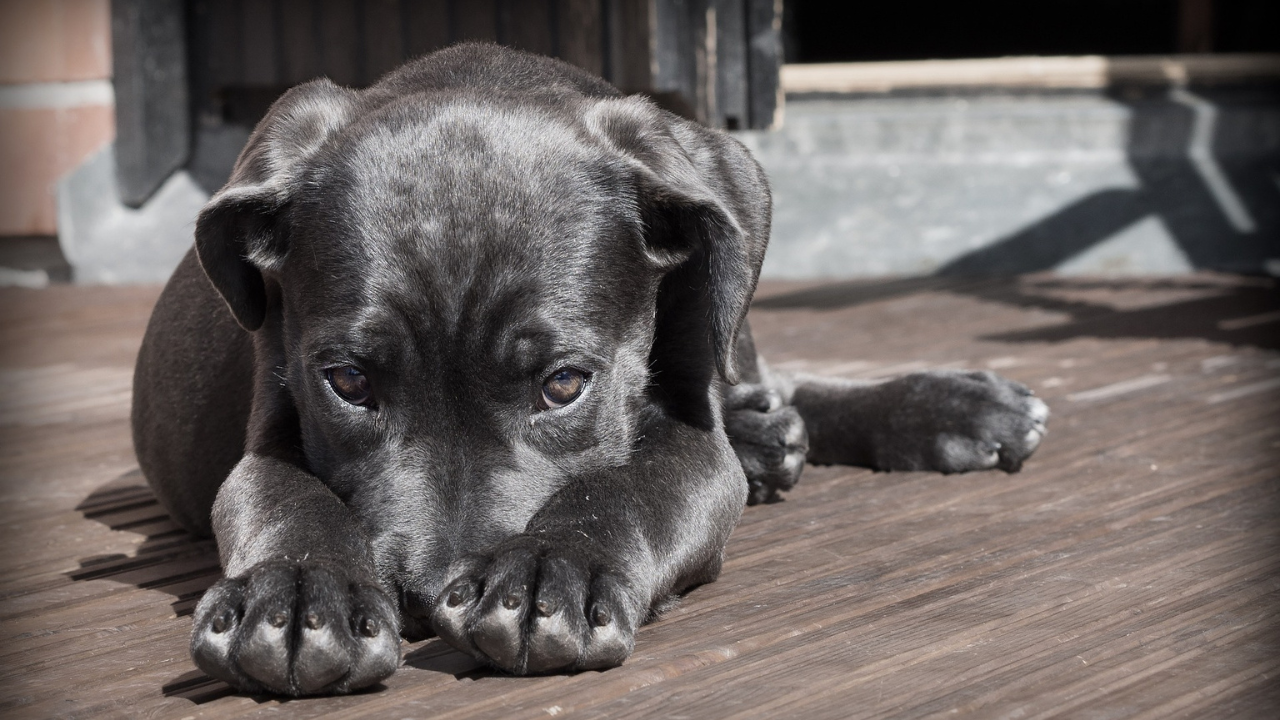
column 56, row 104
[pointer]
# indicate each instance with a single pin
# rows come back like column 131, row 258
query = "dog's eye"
column 351, row 385
column 563, row 387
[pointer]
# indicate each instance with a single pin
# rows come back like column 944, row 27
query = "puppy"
column 465, row 353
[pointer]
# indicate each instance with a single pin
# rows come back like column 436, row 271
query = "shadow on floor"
column 437, row 656
column 1233, row 311
column 1237, row 315
column 169, row 559
column 173, row 561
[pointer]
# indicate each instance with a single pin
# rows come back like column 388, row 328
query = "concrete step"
column 1138, row 181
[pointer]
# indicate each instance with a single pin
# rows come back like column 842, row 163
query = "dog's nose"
column 415, row 612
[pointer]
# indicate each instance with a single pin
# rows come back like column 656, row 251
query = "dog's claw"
column 601, row 616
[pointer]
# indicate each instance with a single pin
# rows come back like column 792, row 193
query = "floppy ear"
column 243, row 230
column 704, row 201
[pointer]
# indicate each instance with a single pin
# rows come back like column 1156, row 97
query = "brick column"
column 56, row 103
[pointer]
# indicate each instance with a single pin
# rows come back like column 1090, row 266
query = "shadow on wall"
column 1199, row 173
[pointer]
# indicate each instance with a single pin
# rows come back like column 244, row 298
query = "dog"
column 465, row 353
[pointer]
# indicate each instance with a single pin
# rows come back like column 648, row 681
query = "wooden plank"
column 678, row 41
column 1128, row 570
column 219, row 24
column 764, row 28
column 341, row 39
column 630, row 45
column 260, row 43
column 580, row 34
column 731, row 71
column 153, row 137
column 384, row 38
column 529, row 25
column 426, row 25
column 474, row 20
column 300, row 41
column 1074, row 72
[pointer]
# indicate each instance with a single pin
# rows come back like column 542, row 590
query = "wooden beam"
column 474, row 20
column 340, row 41
column 152, row 110
column 580, row 34
column 764, row 30
column 731, row 81
column 299, row 41
column 630, row 27
column 426, row 26
column 383, row 38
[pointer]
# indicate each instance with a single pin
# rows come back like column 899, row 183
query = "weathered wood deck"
column 1130, row 570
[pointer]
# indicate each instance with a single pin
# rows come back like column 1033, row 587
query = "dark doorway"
column 839, row 31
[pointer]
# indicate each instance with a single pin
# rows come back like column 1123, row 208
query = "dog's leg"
column 945, row 421
column 571, row 590
column 300, row 610
column 192, row 391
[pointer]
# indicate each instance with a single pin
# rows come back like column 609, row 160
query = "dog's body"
column 451, row 360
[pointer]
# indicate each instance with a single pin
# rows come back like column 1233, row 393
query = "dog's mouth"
column 415, row 616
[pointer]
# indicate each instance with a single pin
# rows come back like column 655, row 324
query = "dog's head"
column 467, row 300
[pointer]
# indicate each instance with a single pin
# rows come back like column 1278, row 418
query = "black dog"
column 465, row 352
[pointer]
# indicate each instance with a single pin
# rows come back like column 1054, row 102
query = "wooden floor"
column 1130, row 570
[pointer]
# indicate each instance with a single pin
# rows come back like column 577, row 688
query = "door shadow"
column 1233, row 311
column 1206, row 167
column 1239, row 315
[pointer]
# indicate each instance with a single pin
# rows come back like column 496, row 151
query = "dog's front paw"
column 960, row 421
column 769, row 439
column 296, row 629
column 531, row 606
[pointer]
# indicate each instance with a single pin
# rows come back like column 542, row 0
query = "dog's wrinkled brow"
column 543, row 348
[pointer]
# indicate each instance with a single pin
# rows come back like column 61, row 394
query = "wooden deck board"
column 1130, row 570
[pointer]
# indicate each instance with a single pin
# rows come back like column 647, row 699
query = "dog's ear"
column 243, row 230
column 703, row 200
